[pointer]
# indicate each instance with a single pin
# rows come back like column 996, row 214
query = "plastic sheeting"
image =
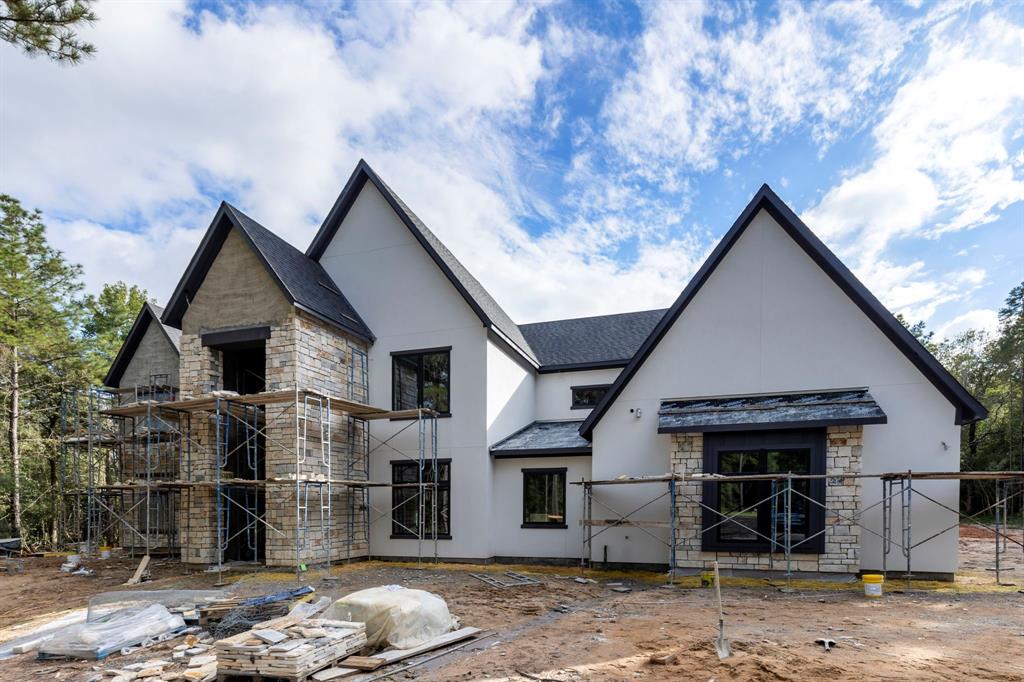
column 112, row 631
column 395, row 615
column 108, row 602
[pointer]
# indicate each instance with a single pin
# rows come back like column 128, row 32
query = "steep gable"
column 477, row 298
column 147, row 325
column 302, row 280
column 966, row 406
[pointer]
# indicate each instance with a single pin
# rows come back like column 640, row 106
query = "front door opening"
column 244, row 371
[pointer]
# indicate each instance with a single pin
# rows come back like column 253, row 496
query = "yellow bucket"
column 873, row 585
column 707, row 578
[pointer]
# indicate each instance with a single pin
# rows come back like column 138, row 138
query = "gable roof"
column 589, row 342
column 968, row 409
column 147, row 314
column 302, row 280
column 486, row 308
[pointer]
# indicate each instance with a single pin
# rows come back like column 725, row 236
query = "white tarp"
column 395, row 615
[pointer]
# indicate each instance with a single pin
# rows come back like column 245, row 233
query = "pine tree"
column 38, row 314
column 47, row 27
column 109, row 317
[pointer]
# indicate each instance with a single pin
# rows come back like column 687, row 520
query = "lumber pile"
column 289, row 647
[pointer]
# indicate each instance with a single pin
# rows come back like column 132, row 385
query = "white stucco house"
column 773, row 359
column 772, row 318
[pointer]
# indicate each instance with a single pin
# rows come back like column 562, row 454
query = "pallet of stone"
column 304, row 647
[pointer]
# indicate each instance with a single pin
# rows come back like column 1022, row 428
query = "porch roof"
column 543, row 439
column 776, row 411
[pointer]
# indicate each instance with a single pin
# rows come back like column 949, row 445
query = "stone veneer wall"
column 238, row 292
column 842, row 539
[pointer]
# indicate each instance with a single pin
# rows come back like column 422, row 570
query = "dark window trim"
column 447, row 484
column 583, row 387
column 565, row 482
column 421, row 351
column 232, row 336
column 814, row 439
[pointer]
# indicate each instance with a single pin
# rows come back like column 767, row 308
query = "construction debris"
column 827, row 643
column 245, row 654
column 395, row 616
column 509, row 579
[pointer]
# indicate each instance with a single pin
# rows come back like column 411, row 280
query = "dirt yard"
column 562, row 630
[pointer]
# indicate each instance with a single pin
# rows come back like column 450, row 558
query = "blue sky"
column 580, row 158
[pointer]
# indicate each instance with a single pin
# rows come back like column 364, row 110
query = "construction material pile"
column 395, row 616
column 289, row 646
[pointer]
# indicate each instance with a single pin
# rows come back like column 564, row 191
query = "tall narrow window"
column 409, row 506
column 421, row 379
column 544, row 498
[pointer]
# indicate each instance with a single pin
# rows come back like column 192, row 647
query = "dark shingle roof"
column 609, row 340
column 778, row 411
column 486, row 308
column 173, row 334
column 302, row 279
column 149, row 313
column 543, row 438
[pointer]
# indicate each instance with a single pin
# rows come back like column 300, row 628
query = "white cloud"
column 980, row 319
column 693, row 95
column 941, row 163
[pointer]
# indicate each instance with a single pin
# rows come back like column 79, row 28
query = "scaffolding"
column 897, row 491
column 120, row 457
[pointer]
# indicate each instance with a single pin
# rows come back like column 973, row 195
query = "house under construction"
column 369, row 397
column 248, row 443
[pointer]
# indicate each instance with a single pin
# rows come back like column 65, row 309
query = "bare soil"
column 563, row 630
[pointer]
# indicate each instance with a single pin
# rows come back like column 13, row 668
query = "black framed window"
column 421, row 379
column 544, row 498
column 406, row 502
column 764, row 452
column 587, row 397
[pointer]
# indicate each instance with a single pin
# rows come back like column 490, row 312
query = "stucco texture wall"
column 768, row 320
column 410, row 305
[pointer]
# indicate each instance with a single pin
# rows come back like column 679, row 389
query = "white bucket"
column 74, row 559
column 104, row 552
column 873, row 585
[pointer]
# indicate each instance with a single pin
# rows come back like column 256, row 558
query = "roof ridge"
column 594, row 317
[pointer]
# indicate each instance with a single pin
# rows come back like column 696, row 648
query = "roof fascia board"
column 582, row 366
column 541, row 452
column 765, row 198
column 128, row 348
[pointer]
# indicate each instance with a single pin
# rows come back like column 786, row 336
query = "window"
column 587, row 397
column 752, row 453
column 544, row 498
column 421, row 379
column 406, row 501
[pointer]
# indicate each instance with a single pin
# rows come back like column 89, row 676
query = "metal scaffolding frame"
column 781, row 498
column 152, row 420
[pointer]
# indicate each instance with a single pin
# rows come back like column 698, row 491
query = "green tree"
column 108, row 317
column 47, row 27
column 38, row 316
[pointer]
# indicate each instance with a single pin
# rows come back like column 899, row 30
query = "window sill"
column 425, row 537
column 446, row 415
column 559, row 526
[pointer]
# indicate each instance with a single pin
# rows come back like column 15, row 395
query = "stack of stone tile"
column 287, row 647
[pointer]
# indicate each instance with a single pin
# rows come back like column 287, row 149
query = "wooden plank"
column 333, row 674
column 395, row 655
column 363, row 662
column 137, row 578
